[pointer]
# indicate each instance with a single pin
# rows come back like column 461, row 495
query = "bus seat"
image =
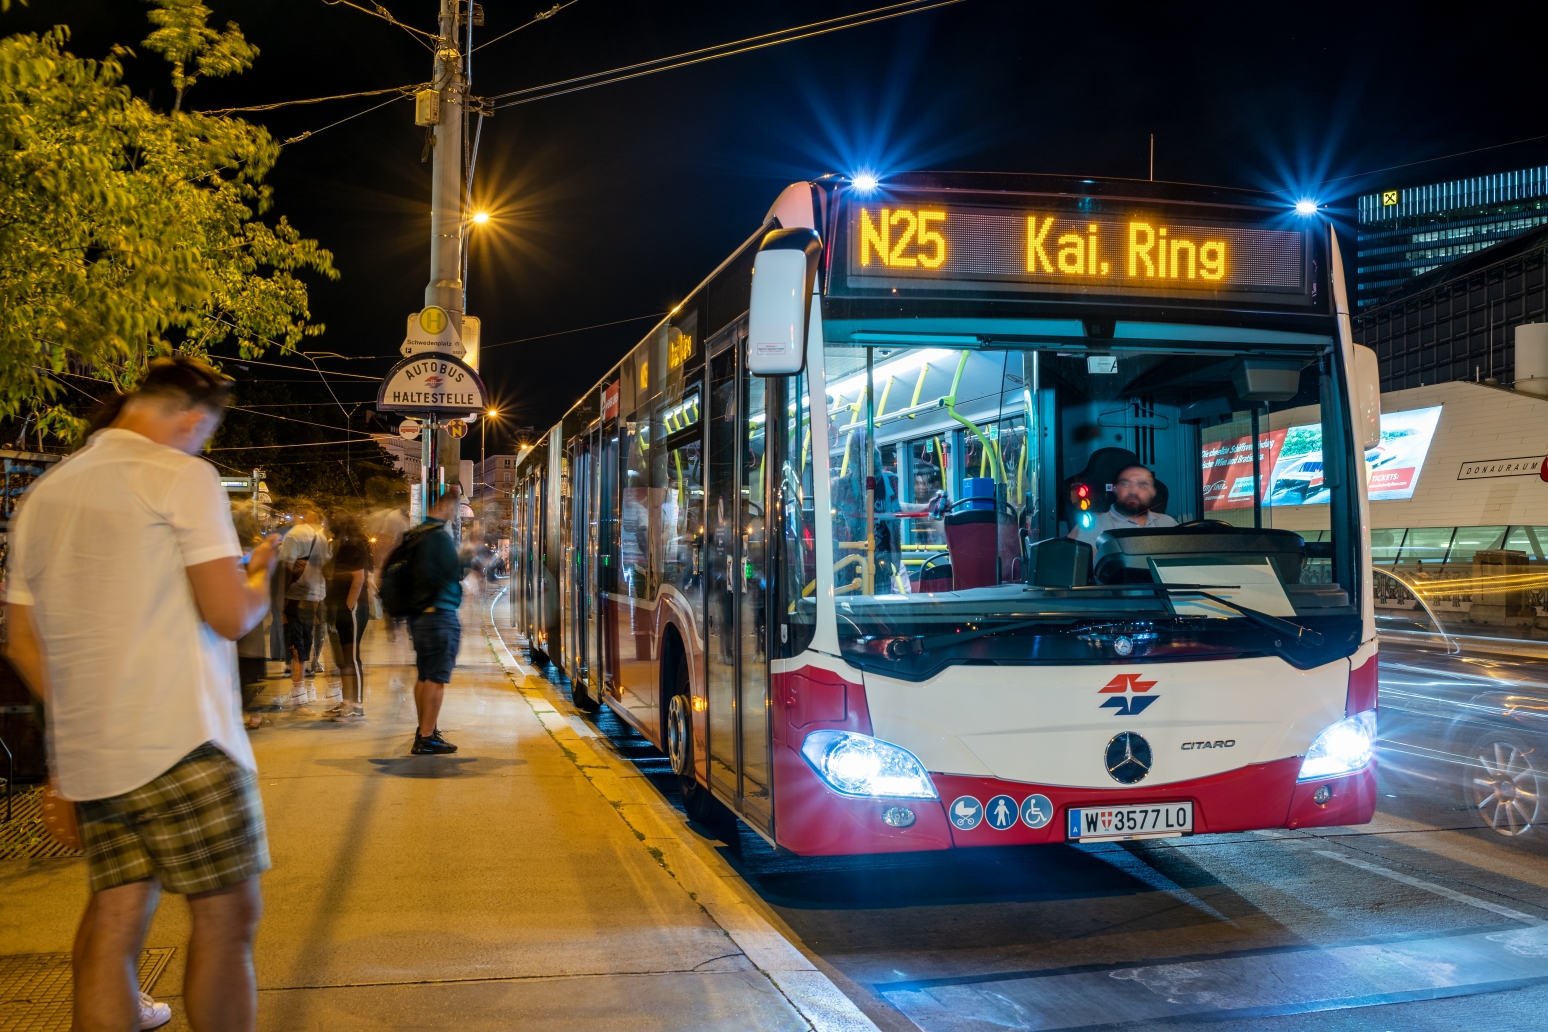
column 1059, row 562
column 983, row 544
column 1100, row 470
column 935, row 574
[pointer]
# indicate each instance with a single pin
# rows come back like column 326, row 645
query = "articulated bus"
column 846, row 535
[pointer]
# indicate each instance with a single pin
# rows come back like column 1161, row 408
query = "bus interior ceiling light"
column 1342, row 748
column 909, row 361
column 860, row 765
column 1305, row 207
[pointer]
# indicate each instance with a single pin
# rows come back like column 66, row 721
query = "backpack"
column 399, row 594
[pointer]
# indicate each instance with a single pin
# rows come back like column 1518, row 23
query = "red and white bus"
column 835, row 534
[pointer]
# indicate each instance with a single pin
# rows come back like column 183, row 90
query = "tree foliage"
column 126, row 232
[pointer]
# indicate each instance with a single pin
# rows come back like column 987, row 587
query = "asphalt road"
column 1428, row 918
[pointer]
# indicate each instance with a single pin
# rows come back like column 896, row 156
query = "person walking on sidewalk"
column 347, row 612
column 304, row 552
column 126, row 593
column 434, row 628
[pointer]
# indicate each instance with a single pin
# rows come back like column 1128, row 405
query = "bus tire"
column 697, row 800
column 584, row 697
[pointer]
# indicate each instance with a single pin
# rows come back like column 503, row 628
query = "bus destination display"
column 1070, row 251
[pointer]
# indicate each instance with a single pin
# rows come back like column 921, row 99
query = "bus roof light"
column 1306, row 206
column 865, row 182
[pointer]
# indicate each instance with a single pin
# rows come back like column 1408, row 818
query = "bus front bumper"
column 813, row 820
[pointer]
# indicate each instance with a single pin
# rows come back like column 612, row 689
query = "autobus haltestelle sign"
column 432, row 384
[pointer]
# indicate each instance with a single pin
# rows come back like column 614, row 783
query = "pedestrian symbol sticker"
column 966, row 813
column 1001, row 812
column 1036, row 811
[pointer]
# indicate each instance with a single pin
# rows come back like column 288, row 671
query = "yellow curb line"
column 706, row 878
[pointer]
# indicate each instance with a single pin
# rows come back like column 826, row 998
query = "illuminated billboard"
column 1293, row 457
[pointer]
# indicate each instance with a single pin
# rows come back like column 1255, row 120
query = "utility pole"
column 445, row 288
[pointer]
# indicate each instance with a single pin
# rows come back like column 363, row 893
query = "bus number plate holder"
column 1142, row 820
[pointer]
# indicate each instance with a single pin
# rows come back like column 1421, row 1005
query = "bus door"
column 606, row 551
column 752, row 596
column 720, row 567
column 575, row 560
column 735, row 585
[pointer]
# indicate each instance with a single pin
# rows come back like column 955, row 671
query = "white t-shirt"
column 138, row 680
column 307, row 542
column 1112, row 519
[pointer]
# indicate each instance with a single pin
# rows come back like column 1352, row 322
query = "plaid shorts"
column 196, row 828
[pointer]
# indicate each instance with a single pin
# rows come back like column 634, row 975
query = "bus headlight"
column 860, row 765
column 1342, row 748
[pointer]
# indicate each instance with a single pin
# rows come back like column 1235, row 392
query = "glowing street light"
column 480, row 217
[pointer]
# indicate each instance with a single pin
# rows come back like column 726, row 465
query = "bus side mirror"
column 784, row 273
column 1367, row 397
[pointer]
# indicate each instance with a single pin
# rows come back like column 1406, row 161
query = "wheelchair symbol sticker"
column 1036, row 811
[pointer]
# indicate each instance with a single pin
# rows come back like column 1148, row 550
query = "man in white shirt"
column 126, row 593
column 303, row 552
column 1134, row 492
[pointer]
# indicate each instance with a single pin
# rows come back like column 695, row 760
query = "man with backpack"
column 422, row 580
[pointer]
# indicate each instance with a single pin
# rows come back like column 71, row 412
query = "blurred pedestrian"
column 126, row 592
column 435, row 629
column 252, row 647
column 304, row 552
column 347, row 612
column 385, row 527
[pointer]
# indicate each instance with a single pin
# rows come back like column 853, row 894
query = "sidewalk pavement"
column 533, row 880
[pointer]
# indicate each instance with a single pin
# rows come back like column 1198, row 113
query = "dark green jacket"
column 438, row 572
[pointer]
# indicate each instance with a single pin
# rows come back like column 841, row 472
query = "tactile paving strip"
column 36, row 989
column 23, row 836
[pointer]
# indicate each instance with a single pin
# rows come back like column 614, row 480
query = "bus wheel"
column 1505, row 785
column 584, row 696
column 697, row 800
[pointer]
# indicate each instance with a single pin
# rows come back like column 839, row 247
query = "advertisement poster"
column 1295, row 458
column 1228, row 469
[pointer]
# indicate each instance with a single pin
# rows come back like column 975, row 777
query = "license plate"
column 1145, row 820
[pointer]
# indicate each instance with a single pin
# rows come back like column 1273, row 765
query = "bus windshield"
column 1028, row 504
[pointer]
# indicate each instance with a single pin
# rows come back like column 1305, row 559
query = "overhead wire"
column 403, row 90
column 308, row 134
column 693, row 57
column 1443, row 157
column 542, row 16
column 386, row 16
column 578, row 329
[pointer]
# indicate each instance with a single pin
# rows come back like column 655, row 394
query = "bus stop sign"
column 432, row 385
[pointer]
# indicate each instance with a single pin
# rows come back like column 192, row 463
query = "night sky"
column 614, row 202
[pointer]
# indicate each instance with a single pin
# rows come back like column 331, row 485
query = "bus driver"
column 1134, row 492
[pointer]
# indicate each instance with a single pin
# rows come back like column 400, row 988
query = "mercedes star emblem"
column 1128, row 758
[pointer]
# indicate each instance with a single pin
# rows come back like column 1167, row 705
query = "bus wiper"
column 1304, row 635
column 898, row 648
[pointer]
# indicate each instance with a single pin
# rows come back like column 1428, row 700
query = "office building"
column 1404, row 233
column 1457, row 322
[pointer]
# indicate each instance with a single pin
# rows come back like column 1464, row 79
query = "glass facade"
column 1409, row 232
column 1459, row 324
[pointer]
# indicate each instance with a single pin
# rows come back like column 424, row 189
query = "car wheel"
column 1504, row 783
